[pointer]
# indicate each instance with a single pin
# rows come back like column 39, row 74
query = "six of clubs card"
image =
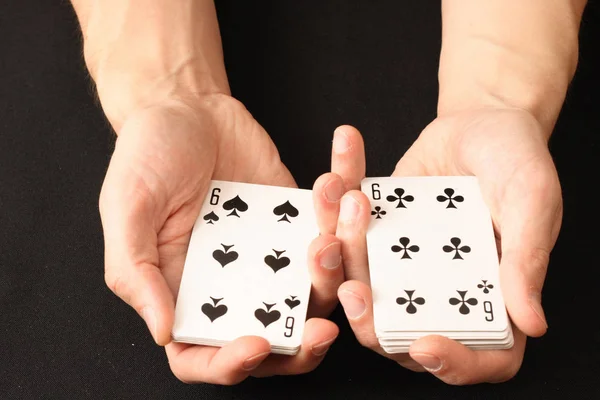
column 246, row 268
column 432, row 254
column 433, row 263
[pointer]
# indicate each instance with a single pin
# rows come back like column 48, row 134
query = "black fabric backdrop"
column 302, row 68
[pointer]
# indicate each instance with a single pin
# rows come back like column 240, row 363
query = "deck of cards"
column 433, row 263
column 246, row 270
column 432, row 257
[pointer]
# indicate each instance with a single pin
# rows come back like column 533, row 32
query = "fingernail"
column 321, row 348
column 254, row 361
column 331, row 256
column 354, row 305
column 535, row 301
column 150, row 318
column 341, row 144
column 334, row 190
column 349, row 209
column 429, row 362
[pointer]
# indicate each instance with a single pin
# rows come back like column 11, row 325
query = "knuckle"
column 104, row 199
column 311, row 366
column 179, row 374
column 411, row 365
column 366, row 341
column 537, row 260
column 537, row 177
column 117, row 284
column 507, row 373
column 228, row 380
column 459, row 379
column 545, row 182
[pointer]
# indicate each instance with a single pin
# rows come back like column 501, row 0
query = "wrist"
column 142, row 54
column 498, row 76
column 123, row 86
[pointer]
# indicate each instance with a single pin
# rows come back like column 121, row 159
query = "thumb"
column 409, row 165
column 128, row 214
column 529, row 226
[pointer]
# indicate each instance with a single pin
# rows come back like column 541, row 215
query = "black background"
column 302, row 68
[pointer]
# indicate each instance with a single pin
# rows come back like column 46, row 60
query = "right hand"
column 165, row 157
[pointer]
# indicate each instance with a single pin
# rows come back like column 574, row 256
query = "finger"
column 131, row 255
column 355, row 297
column 355, row 212
column 456, row 364
column 528, row 228
column 327, row 274
column 357, row 301
column 348, row 156
column 319, row 335
column 227, row 365
column 327, row 193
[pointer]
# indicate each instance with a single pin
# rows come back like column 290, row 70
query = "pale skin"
column 158, row 67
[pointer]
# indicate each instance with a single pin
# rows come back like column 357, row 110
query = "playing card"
column 433, row 262
column 246, row 270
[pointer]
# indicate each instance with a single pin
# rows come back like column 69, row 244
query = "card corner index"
column 365, row 182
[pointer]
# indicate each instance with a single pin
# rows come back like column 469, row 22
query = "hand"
column 506, row 149
column 164, row 159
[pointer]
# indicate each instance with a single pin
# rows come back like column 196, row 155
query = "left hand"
column 506, row 149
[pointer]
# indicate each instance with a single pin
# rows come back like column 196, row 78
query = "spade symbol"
column 267, row 317
column 211, row 218
column 225, row 257
column 292, row 302
column 285, row 210
column 214, row 311
column 234, row 205
column 278, row 262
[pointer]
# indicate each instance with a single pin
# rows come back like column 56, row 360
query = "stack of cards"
column 246, row 270
column 434, row 263
column 432, row 257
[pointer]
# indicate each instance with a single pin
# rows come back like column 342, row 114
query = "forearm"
column 140, row 52
column 515, row 53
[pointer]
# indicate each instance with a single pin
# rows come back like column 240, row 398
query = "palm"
column 244, row 153
column 507, row 151
column 164, row 160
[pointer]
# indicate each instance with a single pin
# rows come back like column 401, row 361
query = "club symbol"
column 378, row 212
column 211, row 218
column 456, row 248
column 267, row 317
column 276, row 263
column 410, row 308
column 400, row 198
column 285, row 210
column 292, row 302
column 450, row 198
column 234, row 205
column 225, row 257
column 404, row 242
column 485, row 286
column 464, row 308
column 214, row 311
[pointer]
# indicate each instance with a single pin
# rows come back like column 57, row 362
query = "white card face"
column 453, row 306
column 246, row 270
column 432, row 256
